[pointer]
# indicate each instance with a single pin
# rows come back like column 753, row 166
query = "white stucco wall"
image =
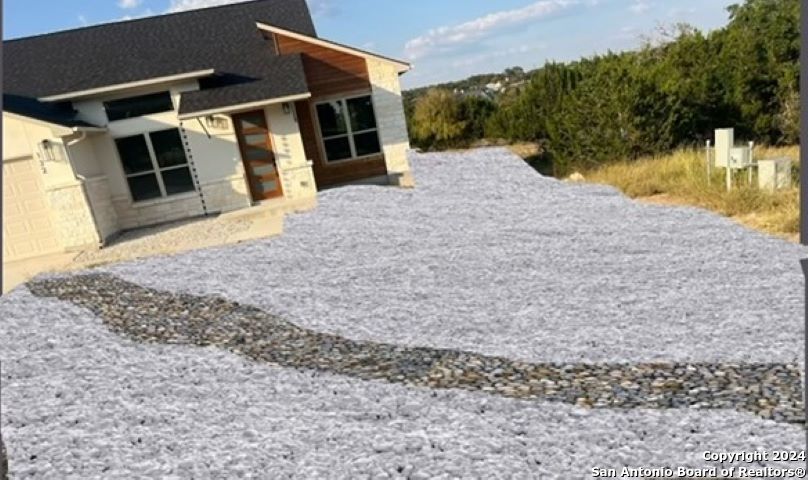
column 82, row 155
column 104, row 147
column 215, row 154
column 97, row 180
column 70, row 212
column 21, row 138
column 214, row 161
column 16, row 141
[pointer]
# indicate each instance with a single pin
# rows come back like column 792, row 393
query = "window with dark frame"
column 155, row 164
column 348, row 128
column 133, row 107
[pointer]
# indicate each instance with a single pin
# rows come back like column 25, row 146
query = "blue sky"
column 445, row 40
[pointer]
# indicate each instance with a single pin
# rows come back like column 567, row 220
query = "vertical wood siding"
column 328, row 72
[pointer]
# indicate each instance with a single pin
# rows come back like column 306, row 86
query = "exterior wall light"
column 47, row 151
column 219, row 123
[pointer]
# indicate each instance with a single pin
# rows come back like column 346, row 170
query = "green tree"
column 671, row 92
column 475, row 112
column 758, row 54
column 437, row 119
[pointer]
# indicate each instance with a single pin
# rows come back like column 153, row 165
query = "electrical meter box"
column 774, row 173
column 724, row 141
column 739, row 158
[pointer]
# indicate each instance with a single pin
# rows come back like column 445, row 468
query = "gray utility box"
column 724, row 141
column 740, row 158
column 727, row 154
column 774, row 173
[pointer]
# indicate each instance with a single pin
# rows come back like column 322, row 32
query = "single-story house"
column 139, row 122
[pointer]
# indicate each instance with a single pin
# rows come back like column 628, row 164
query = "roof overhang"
column 77, row 95
column 243, row 106
column 401, row 66
column 60, row 130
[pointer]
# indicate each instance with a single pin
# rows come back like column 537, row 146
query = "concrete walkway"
column 170, row 238
column 15, row 273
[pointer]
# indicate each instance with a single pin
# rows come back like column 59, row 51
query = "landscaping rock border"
column 770, row 390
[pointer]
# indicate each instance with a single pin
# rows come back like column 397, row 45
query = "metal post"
column 804, row 263
column 3, row 454
column 709, row 163
column 751, row 161
column 803, row 87
column 729, row 175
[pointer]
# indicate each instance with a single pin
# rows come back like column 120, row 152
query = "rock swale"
column 770, row 390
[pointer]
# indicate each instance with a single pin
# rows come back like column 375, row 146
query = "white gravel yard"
column 485, row 256
column 488, row 256
column 80, row 402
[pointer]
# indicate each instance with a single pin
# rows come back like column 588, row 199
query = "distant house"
column 144, row 121
column 495, row 87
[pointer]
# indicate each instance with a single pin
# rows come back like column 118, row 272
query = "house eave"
column 401, row 66
column 80, row 94
column 60, row 130
column 243, row 106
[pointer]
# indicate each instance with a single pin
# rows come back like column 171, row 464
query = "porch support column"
column 392, row 123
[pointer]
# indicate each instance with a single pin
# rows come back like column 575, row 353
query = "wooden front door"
column 256, row 152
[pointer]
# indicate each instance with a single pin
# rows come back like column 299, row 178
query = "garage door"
column 27, row 226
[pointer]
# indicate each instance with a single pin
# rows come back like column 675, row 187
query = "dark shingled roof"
column 57, row 114
column 289, row 78
column 223, row 38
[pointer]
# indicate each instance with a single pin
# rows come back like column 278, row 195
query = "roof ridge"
column 139, row 19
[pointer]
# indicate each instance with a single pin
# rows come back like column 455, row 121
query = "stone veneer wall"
column 115, row 214
column 151, row 212
column 226, row 195
column 296, row 174
column 299, row 187
column 391, row 120
column 106, row 218
column 72, row 216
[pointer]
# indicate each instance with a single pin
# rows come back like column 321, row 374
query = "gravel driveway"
column 485, row 257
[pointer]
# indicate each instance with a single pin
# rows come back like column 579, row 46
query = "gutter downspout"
column 70, row 143
column 83, row 180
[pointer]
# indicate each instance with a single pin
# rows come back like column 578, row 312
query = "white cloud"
column 487, row 57
column 181, row 5
column 639, row 7
column 145, row 13
column 446, row 38
column 317, row 7
column 681, row 12
column 126, row 4
column 321, row 8
column 83, row 20
column 628, row 33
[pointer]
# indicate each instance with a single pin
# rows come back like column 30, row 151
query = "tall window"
column 138, row 106
column 155, row 164
column 348, row 128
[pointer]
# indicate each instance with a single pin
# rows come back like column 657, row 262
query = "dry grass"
column 525, row 149
column 680, row 178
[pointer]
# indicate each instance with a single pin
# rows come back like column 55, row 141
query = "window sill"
column 371, row 157
column 159, row 201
